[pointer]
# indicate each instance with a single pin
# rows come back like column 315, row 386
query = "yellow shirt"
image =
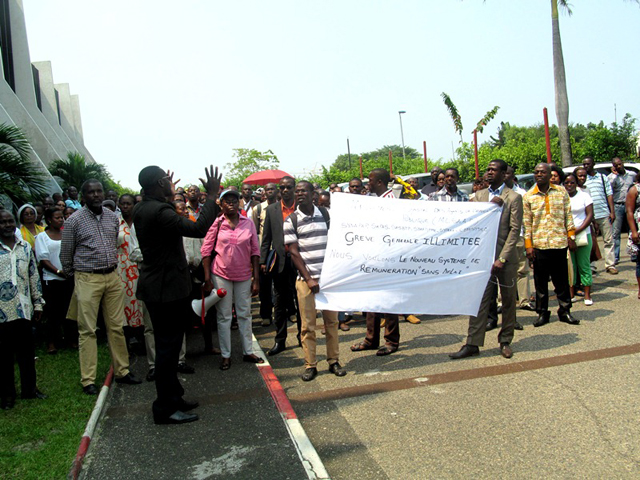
column 547, row 218
column 30, row 237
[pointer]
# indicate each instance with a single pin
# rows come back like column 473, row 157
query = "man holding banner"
column 505, row 266
column 379, row 179
column 305, row 232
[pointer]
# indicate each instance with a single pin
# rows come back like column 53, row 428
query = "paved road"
column 566, row 406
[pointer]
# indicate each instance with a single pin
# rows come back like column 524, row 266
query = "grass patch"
column 39, row 438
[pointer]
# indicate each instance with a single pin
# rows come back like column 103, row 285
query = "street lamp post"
column 402, row 133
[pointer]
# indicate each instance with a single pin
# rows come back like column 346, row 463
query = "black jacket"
column 164, row 273
column 273, row 235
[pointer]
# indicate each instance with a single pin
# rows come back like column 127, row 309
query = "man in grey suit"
column 505, row 268
column 284, row 272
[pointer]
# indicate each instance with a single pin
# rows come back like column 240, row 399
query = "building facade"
column 47, row 112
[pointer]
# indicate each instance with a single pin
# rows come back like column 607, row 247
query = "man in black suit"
column 164, row 284
column 284, row 273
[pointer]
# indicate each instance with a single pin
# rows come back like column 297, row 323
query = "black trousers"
column 552, row 262
column 266, row 299
column 57, row 295
column 286, row 299
column 16, row 342
column 170, row 321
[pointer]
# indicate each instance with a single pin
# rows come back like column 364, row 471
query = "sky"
column 181, row 84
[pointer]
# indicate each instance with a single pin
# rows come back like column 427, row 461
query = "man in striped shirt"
column 603, row 211
column 305, row 232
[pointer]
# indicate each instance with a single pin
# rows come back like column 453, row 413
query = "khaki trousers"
column 307, row 305
column 91, row 290
column 524, row 289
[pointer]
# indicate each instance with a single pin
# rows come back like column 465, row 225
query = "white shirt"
column 579, row 203
column 49, row 249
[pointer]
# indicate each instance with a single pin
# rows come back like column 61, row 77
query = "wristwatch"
column 502, row 260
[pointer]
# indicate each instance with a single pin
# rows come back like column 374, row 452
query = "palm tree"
column 75, row 170
column 560, row 84
column 19, row 180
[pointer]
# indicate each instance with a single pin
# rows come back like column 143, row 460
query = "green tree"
column 74, row 170
column 247, row 161
column 19, row 180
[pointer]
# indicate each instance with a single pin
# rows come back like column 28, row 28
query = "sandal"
column 225, row 364
column 253, row 358
column 359, row 347
column 386, row 350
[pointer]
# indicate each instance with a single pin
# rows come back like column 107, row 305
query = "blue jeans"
column 616, row 228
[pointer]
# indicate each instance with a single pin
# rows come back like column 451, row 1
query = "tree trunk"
column 560, row 83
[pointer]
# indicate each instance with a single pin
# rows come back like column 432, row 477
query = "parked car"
column 527, row 181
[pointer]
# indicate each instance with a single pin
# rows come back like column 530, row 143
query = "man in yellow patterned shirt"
column 548, row 230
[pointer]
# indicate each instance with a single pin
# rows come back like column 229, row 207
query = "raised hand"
column 212, row 184
column 173, row 184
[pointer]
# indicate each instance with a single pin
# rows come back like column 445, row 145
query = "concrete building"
column 45, row 111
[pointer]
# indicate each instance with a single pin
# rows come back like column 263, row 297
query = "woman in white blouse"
column 582, row 211
column 56, row 287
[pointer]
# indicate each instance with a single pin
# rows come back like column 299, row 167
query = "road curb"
column 76, row 467
column 306, row 451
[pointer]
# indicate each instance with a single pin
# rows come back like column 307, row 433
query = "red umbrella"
column 265, row 176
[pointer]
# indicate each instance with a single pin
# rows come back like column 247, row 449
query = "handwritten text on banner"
column 407, row 256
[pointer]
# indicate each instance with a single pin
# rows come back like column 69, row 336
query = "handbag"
column 582, row 238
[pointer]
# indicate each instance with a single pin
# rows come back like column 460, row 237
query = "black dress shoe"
column 177, row 418
column 543, row 319
column 337, row 369
column 464, row 352
column 529, row 307
column 567, row 318
column 184, row 368
column 491, row 325
column 90, row 389
column 129, row 379
column 276, row 349
column 186, row 405
column 309, row 374
column 518, row 326
column 151, row 376
column 36, row 394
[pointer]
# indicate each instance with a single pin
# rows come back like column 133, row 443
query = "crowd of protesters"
column 133, row 265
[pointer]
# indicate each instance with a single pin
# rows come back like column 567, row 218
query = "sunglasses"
column 286, row 187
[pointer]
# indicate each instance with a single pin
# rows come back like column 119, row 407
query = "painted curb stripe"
column 76, row 468
column 306, row 451
column 463, row 375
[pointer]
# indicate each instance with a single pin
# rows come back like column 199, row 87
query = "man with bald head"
column 548, row 231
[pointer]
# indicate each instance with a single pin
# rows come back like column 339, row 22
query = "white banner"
column 407, row 256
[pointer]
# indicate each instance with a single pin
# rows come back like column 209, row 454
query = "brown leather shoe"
column 505, row 350
column 412, row 319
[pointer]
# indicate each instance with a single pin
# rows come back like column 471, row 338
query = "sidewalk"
column 240, row 434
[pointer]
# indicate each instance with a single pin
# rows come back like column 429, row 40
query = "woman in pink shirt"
column 234, row 240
